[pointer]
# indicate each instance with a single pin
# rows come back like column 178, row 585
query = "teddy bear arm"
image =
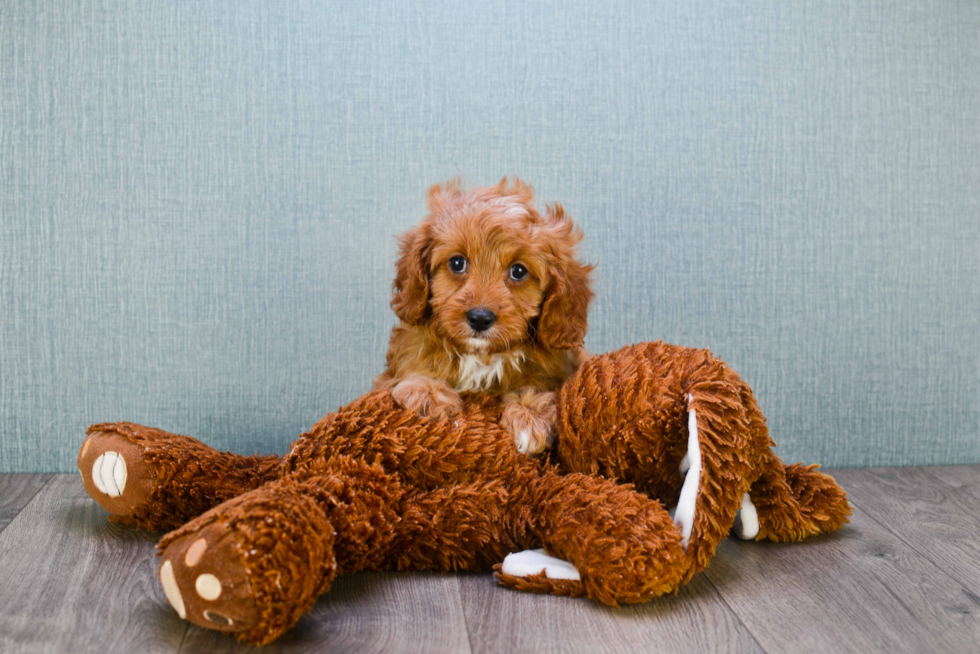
column 683, row 426
column 670, row 420
column 620, row 546
column 744, row 486
column 721, row 462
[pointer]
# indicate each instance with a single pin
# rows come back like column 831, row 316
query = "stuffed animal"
column 377, row 487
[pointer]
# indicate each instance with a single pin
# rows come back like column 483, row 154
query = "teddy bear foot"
column 534, row 571
column 115, row 473
column 528, row 562
column 155, row 480
column 253, row 565
column 204, row 578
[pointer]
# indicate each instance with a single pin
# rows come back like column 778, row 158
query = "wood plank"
column 964, row 478
column 861, row 589
column 368, row 612
column 934, row 510
column 16, row 490
column 902, row 577
column 74, row 582
column 695, row 620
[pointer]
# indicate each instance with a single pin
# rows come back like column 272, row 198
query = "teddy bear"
column 660, row 452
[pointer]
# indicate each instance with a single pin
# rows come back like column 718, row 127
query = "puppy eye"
column 457, row 265
column 518, row 272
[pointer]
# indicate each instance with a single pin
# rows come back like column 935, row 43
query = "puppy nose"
column 480, row 319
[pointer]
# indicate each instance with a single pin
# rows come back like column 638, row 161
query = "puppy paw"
column 528, row 416
column 531, row 432
column 427, row 397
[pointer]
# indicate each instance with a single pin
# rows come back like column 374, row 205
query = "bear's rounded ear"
column 410, row 298
column 564, row 313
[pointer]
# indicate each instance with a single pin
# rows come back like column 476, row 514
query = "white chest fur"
column 479, row 372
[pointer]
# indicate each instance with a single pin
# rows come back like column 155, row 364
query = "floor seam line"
column 183, row 639
column 738, row 618
column 462, row 608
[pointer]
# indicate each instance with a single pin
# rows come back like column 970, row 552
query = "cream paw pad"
column 109, row 473
column 115, row 473
column 203, row 576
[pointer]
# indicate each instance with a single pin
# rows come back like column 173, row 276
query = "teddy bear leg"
column 156, row 480
column 605, row 541
column 789, row 503
column 251, row 566
column 255, row 564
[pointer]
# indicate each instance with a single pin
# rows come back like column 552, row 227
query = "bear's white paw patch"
column 531, row 562
column 109, row 473
column 746, row 524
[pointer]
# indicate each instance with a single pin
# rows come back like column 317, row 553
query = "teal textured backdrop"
column 200, row 201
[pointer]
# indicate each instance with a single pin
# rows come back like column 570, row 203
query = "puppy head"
column 487, row 272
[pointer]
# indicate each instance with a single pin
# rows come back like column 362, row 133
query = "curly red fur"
column 536, row 339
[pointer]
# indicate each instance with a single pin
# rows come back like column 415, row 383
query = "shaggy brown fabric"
column 188, row 476
column 638, row 433
column 797, row 501
column 376, row 486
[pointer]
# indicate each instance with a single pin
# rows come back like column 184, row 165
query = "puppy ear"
column 440, row 196
column 564, row 313
column 410, row 298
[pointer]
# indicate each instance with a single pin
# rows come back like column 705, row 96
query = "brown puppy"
column 491, row 300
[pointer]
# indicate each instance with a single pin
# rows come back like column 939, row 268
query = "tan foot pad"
column 114, row 472
column 203, row 576
column 532, row 562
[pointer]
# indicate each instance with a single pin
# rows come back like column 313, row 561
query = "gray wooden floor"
column 904, row 576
